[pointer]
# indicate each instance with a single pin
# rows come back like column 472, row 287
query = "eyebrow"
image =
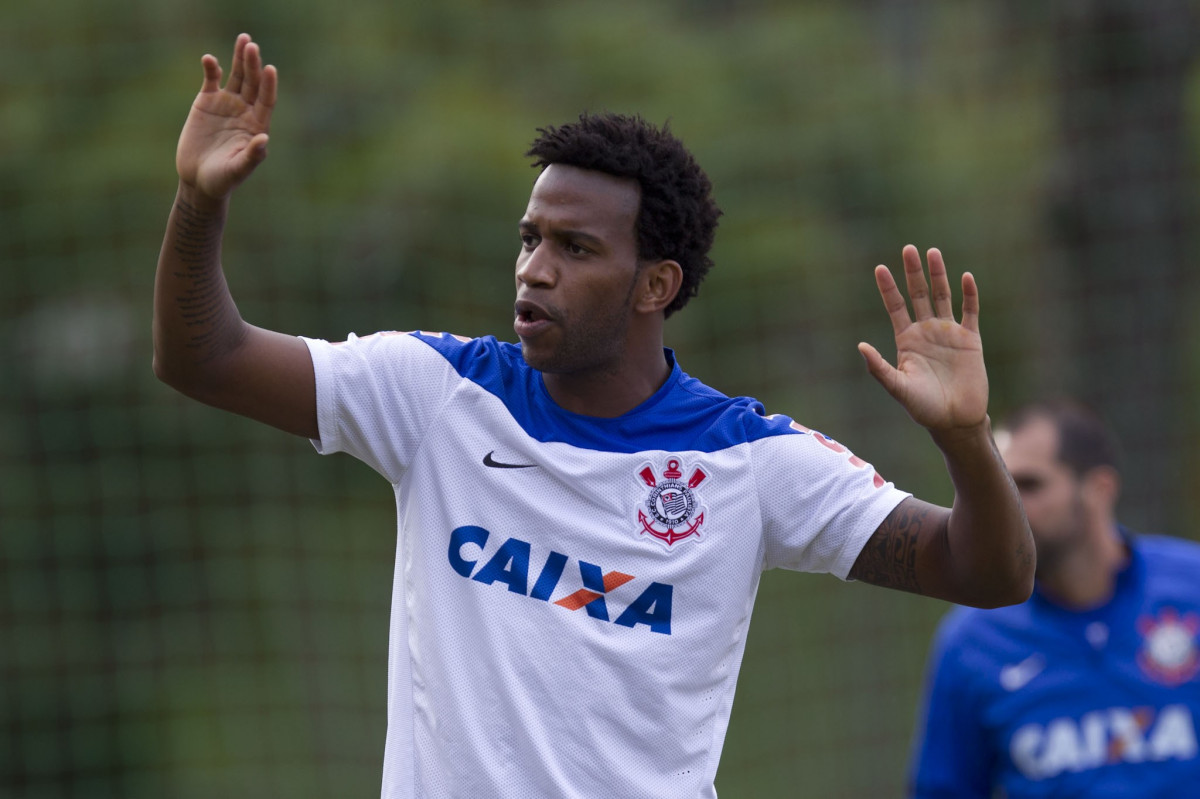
column 564, row 233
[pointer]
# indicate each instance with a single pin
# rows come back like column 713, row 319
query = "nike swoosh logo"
column 1016, row 676
column 495, row 464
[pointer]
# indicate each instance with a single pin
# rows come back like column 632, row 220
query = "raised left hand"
column 939, row 375
column 226, row 133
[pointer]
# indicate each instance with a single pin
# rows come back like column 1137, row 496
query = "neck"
column 1085, row 578
column 609, row 392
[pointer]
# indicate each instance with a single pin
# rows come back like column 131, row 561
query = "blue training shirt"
column 1036, row 700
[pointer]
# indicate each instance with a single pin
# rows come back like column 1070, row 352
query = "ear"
column 659, row 283
column 1102, row 487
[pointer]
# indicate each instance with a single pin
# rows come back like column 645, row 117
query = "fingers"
column 255, row 84
column 238, row 70
column 268, row 89
column 253, row 75
column 929, row 299
column 893, row 300
column 918, row 289
column 970, row 306
column 939, row 284
column 212, row 74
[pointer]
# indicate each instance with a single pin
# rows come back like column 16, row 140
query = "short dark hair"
column 1085, row 440
column 677, row 217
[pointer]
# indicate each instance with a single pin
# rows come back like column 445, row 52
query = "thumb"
column 257, row 149
column 879, row 368
column 232, row 173
column 244, row 162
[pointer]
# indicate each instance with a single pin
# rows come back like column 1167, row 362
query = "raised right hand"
column 225, row 136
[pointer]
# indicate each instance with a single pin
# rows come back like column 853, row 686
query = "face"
column 577, row 270
column 1050, row 490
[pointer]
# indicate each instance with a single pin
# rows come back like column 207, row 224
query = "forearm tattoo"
column 203, row 301
column 889, row 559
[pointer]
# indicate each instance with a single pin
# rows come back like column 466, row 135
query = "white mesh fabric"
column 501, row 681
column 820, row 503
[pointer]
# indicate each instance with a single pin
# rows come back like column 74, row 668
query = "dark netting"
column 195, row 606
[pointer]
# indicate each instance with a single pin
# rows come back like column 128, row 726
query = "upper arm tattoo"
column 889, row 558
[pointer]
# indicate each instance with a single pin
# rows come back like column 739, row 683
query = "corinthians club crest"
column 671, row 511
column 1170, row 653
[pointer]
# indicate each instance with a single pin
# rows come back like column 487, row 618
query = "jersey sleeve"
column 951, row 757
column 376, row 397
column 820, row 503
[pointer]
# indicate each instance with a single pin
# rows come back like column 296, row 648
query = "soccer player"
column 1090, row 688
column 582, row 525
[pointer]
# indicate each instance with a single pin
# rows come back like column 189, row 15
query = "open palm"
column 939, row 375
column 225, row 136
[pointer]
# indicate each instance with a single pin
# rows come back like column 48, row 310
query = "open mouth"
column 531, row 318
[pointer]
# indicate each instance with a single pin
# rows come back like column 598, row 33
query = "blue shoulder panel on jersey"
column 684, row 414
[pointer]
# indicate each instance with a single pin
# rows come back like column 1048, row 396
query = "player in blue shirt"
column 1091, row 687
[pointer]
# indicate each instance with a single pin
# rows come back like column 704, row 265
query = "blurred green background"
column 194, row 606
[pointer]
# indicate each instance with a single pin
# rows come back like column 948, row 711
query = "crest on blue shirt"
column 1170, row 653
column 671, row 510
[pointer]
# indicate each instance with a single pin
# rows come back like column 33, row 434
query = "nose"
column 535, row 267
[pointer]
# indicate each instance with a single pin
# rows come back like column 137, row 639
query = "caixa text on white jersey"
column 509, row 564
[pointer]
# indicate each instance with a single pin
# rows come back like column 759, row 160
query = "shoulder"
column 393, row 343
column 403, row 355
column 978, row 653
column 1168, row 549
column 735, row 420
column 486, row 361
column 971, row 634
column 1170, row 561
column 744, row 418
column 962, row 625
column 472, row 355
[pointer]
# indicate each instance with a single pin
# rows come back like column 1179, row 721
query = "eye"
column 575, row 249
column 529, row 241
column 1029, row 485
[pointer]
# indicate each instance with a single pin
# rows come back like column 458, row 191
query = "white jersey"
column 572, row 594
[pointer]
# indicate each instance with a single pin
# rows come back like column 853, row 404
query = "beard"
column 592, row 344
column 1057, row 547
